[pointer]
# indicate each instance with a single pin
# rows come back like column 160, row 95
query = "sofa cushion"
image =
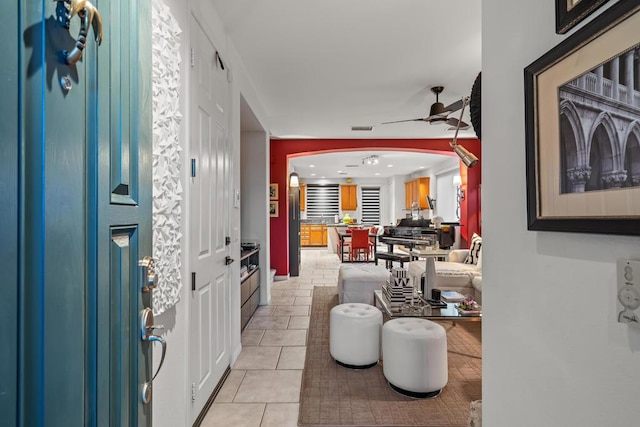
column 448, row 274
column 475, row 250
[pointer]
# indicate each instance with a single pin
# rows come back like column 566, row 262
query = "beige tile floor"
column 263, row 388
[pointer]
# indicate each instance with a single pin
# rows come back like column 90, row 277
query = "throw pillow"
column 474, row 250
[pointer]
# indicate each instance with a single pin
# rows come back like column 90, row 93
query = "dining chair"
column 360, row 244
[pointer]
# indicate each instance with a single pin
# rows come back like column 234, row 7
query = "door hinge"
column 227, row 241
column 193, row 58
column 193, row 168
column 193, row 281
column 193, row 392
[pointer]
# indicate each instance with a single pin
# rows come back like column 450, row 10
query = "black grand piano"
column 413, row 233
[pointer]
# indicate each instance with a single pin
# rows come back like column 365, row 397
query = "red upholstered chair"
column 360, row 244
column 372, row 240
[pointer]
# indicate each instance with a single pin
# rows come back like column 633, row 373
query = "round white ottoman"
column 354, row 335
column 415, row 356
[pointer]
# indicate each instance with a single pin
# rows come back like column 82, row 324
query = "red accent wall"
column 284, row 149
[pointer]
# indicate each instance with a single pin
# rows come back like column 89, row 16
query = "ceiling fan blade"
column 401, row 121
column 452, row 121
column 454, row 107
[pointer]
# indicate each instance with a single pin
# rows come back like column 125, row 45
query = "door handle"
column 146, row 331
column 89, row 16
column 228, row 260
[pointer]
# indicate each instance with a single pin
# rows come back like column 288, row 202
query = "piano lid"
column 409, row 222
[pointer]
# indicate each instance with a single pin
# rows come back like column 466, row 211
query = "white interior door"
column 209, row 219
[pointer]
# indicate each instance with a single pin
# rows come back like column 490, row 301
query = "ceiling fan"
column 439, row 113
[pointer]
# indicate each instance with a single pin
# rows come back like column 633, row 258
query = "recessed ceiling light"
column 322, row 177
column 421, row 167
column 339, row 171
column 377, row 173
column 313, row 174
column 389, row 166
column 312, row 166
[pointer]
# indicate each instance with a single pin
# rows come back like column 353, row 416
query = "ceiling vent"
column 352, row 166
column 342, row 173
column 361, row 128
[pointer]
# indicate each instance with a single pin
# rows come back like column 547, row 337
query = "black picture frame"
column 596, row 33
column 568, row 16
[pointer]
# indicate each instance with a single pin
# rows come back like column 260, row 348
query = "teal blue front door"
column 78, row 212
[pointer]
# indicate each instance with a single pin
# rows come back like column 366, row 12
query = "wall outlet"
column 628, row 275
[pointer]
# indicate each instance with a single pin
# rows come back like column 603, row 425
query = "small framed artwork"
column 570, row 12
column 273, row 208
column 273, row 191
column 582, row 116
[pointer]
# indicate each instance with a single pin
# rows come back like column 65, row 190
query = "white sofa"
column 453, row 275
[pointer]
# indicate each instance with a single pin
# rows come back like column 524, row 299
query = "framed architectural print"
column 570, row 12
column 273, row 208
column 582, row 107
column 273, row 191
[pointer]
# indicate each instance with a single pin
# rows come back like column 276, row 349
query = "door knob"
column 228, row 260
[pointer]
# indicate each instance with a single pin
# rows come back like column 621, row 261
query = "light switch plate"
column 236, row 198
column 628, row 278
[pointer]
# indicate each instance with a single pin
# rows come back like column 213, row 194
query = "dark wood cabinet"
column 249, row 284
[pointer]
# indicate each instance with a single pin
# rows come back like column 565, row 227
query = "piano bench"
column 390, row 257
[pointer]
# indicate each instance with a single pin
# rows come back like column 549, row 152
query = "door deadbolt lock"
column 148, row 276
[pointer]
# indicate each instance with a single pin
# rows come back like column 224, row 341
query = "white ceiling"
column 349, row 164
column 320, row 67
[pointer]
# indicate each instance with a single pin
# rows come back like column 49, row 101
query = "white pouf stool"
column 415, row 356
column 354, row 335
column 357, row 282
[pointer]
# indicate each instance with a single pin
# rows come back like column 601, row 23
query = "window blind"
column 371, row 205
column 323, row 200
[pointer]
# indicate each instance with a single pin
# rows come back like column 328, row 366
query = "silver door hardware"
column 66, row 84
column 148, row 276
column 193, row 168
column 89, row 16
column 146, row 331
column 193, row 281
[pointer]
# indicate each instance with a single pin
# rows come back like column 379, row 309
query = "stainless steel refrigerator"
column 294, row 231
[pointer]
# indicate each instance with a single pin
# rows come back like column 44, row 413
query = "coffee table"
column 426, row 312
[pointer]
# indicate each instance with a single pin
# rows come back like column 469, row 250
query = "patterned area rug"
column 332, row 395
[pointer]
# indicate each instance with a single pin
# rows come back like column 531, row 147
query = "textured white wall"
column 553, row 352
column 167, row 157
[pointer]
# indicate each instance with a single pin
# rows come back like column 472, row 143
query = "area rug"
column 332, row 395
